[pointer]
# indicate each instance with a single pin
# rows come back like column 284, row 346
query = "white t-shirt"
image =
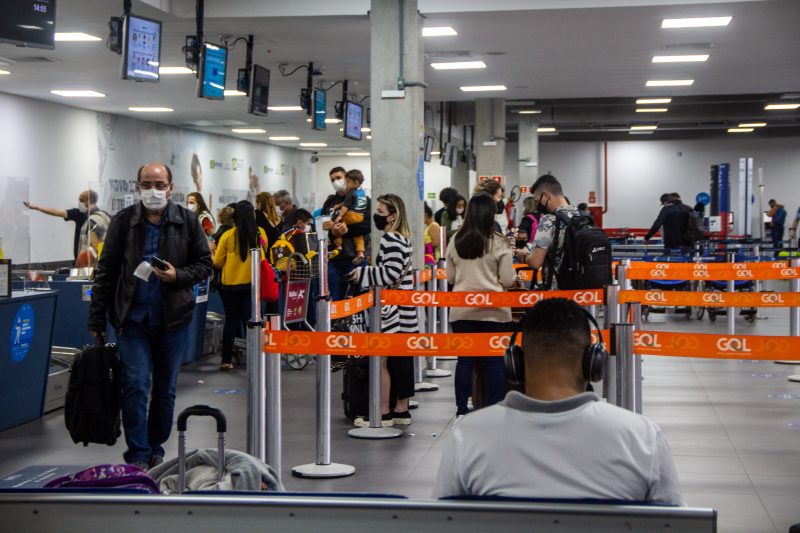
column 577, row 448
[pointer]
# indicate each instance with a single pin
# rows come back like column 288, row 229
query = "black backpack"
column 586, row 260
column 695, row 231
column 94, row 396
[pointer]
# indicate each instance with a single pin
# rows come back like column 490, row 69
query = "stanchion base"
column 437, row 373
column 795, row 378
column 786, row 362
column 446, row 358
column 425, row 387
column 323, row 471
column 375, row 433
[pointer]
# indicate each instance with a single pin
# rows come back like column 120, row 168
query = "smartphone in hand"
column 159, row 263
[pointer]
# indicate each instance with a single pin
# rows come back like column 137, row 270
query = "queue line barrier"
column 691, row 273
column 711, row 267
column 711, row 346
column 352, row 306
column 711, row 299
column 487, row 299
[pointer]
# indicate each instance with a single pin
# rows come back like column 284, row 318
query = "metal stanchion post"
column 636, row 318
column 432, row 371
column 758, row 283
column 323, row 468
column 794, row 318
column 611, row 318
column 444, row 312
column 256, row 366
column 731, row 311
column 375, row 429
column 271, row 396
column 420, row 385
column 622, row 335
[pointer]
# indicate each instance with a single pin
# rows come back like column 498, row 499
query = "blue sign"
column 703, row 198
column 22, row 333
column 421, row 178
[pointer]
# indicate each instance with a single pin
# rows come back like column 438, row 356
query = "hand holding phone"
column 159, row 263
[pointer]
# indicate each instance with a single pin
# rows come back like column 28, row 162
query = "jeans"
column 776, row 232
column 145, row 350
column 494, row 367
column 337, row 285
column 237, row 303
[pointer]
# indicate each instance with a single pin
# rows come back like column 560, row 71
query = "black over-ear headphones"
column 594, row 356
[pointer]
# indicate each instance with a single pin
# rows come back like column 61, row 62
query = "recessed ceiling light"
column 4, row 72
column 308, row 120
column 248, row 130
column 776, row 107
column 438, row 31
column 75, row 37
column 530, row 112
column 234, row 92
column 545, row 130
column 151, row 109
column 287, row 138
column 458, row 65
column 740, row 130
column 366, row 130
column 483, row 88
column 79, row 94
column 436, row 153
column 174, row 70
column 752, row 125
column 669, row 83
column 651, row 110
column 369, row 137
column 357, row 154
column 645, row 101
column 286, row 108
column 314, row 145
column 696, row 22
column 332, row 121
column 643, row 128
column 694, row 58
column 640, row 132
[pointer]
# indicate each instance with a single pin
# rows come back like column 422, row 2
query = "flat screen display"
column 213, row 63
column 259, row 90
column 353, row 118
column 445, row 155
column 428, row 148
column 141, row 49
column 28, row 23
column 320, row 107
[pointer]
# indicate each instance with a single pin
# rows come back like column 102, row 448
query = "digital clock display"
column 28, row 22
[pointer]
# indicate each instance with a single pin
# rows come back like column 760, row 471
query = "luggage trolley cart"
column 667, row 285
column 300, row 270
column 749, row 313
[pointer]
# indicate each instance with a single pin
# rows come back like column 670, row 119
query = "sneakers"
column 226, row 366
column 387, row 421
column 156, row 460
column 402, row 418
column 458, row 418
column 142, row 465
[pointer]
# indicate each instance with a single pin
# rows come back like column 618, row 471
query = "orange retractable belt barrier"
column 711, row 267
column 441, row 273
column 351, row 306
column 393, row 344
column 486, row 299
column 715, row 346
column 702, row 274
column 425, row 276
column 712, row 299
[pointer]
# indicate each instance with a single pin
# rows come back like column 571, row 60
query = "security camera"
column 314, row 158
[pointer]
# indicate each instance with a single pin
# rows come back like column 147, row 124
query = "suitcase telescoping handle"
column 200, row 410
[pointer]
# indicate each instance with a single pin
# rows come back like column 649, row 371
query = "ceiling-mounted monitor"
column 353, row 119
column 213, row 65
column 28, row 23
column 259, row 90
column 446, row 156
column 141, row 49
column 428, row 148
column 320, row 100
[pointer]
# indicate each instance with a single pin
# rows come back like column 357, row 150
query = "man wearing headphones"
column 557, row 440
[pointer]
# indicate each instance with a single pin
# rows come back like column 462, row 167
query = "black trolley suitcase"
column 355, row 393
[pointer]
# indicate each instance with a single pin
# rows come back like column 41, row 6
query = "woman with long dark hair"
column 233, row 258
column 267, row 217
column 453, row 216
column 479, row 260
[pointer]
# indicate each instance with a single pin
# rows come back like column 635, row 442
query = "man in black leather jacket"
column 674, row 217
column 149, row 307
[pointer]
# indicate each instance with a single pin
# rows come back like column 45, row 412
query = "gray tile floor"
column 735, row 447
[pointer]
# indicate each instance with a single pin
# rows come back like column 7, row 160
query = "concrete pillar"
column 398, row 129
column 459, row 179
column 490, row 133
column 528, row 151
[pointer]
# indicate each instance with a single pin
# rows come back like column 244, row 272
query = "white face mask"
column 82, row 208
column 192, row 207
column 459, row 211
column 154, row 199
column 338, row 185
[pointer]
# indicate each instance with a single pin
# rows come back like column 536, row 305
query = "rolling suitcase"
column 355, row 393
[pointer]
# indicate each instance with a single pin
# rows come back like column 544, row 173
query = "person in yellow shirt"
column 233, row 258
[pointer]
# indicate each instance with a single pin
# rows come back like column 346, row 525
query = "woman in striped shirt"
column 392, row 270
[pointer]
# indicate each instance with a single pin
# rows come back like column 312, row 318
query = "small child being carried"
column 351, row 211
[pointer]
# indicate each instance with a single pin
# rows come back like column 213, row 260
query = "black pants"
column 494, row 367
column 237, row 302
column 401, row 372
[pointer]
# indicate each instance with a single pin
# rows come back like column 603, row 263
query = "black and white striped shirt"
column 393, row 259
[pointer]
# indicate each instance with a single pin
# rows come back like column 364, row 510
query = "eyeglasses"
column 160, row 185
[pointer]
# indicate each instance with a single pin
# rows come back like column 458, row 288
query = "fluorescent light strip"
column 174, row 70
column 669, row 83
column 777, row 107
column 332, row 121
column 696, row 22
column 752, row 125
column 438, row 31
column 285, row 108
column 75, row 37
column 369, row 137
column 4, row 72
column 530, row 112
column 358, row 154
column 287, row 138
column 458, row 65
column 314, row 145
column 78, row 94
column 740, row 130
column 233, row 92
column 643, row 128
column 545, row 130
column 695, row 58
column 366, row 130
column 248, row 130
column 483, row 88
column 151, row 109
column 436, row 153
column 651, row 110
column 645, row 101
